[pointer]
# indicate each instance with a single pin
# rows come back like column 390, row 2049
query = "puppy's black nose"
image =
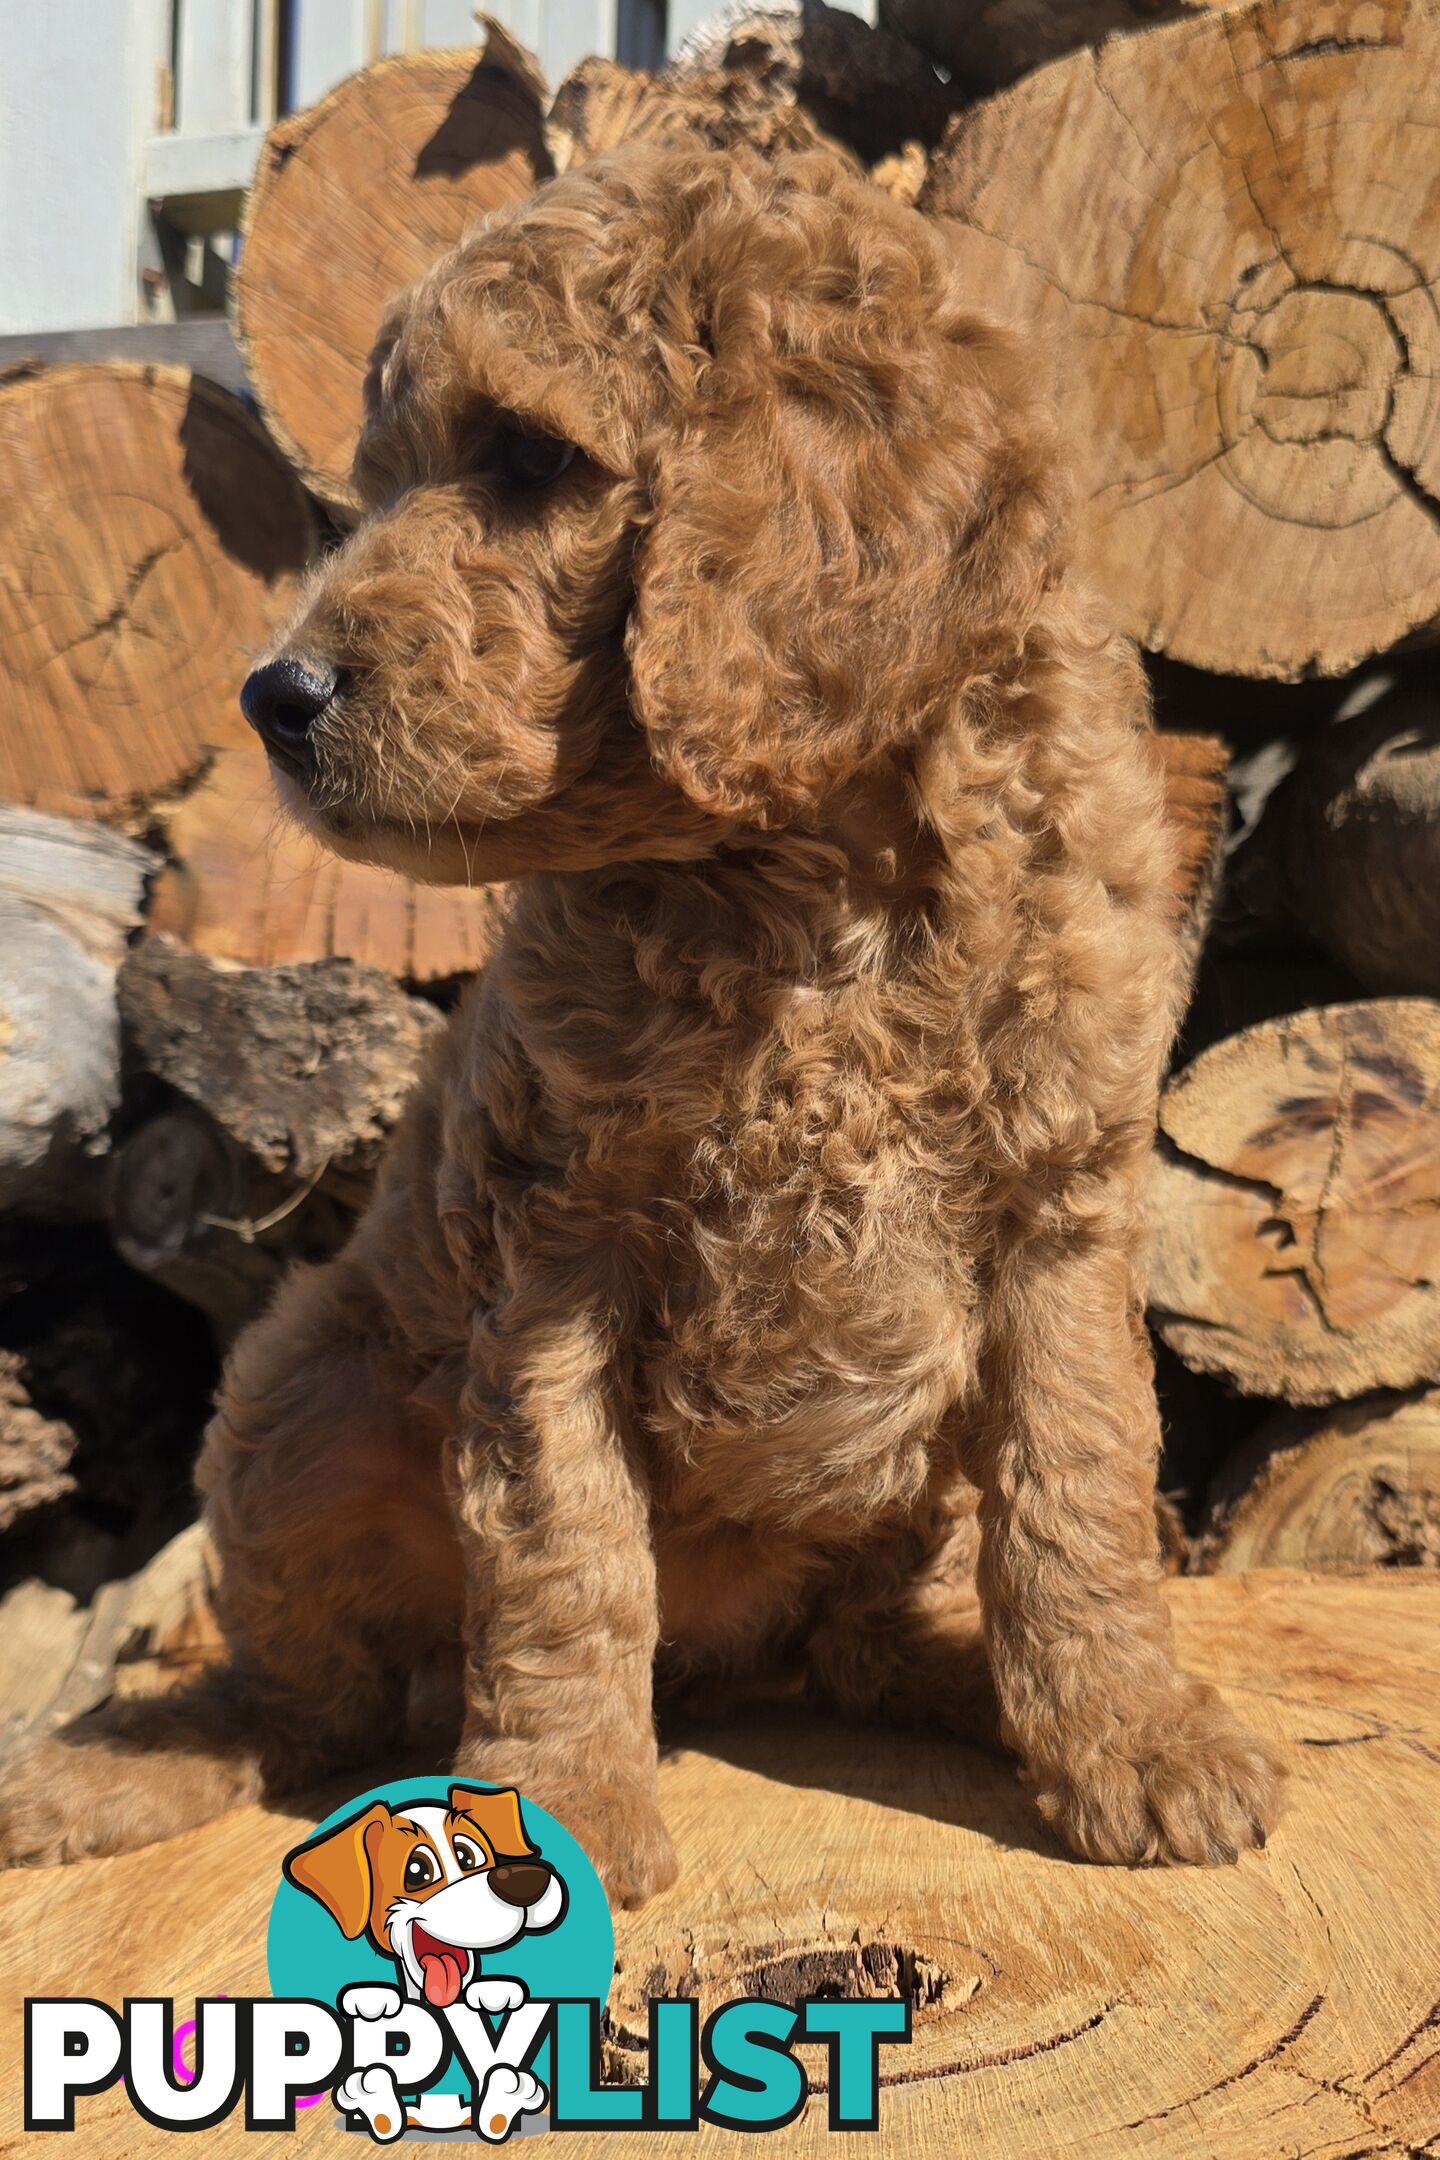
column 519, row 1882
column 282, row 701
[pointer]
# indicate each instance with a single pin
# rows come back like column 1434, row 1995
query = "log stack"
column 1217, row 225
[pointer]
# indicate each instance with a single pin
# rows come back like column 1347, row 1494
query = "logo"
column 440, row 1955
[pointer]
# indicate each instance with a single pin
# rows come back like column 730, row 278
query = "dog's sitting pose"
column 434, row 1888
column 758, row 1270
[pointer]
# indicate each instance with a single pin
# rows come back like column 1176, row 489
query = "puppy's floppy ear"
column 497, row 1817
column 335, row 1869
column 858, row 515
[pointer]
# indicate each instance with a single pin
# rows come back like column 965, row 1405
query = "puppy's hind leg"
column 337, row 1570
column 901, row 1638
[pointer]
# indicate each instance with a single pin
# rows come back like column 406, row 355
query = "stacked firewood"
column 1219, row 227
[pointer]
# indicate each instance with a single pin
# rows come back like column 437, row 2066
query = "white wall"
column 80, row 115
column 77, row 101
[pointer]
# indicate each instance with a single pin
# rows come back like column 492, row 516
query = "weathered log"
column 305, row 1068
column 1351, row 1487
column 35, row 1450
column 1295, row 1204
column 1162, row 2012
column 150, row 536
column 353, row 200
column 69, row 896
column 1354, row 840
column 281, row 1086
column 989, row 43
column 1218, row 235
column 247, row 885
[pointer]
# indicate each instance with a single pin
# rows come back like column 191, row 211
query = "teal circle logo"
column 444, row 1893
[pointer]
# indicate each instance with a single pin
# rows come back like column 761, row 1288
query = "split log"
column 35, row 1450
column 993, row 42
column 1295, row 1204
column 1353, row 1487
column 69, row 896
column 1216, row 232
column 1353, row 837
column 151, row 534
column 1164, row 2012
column 352, row 201
column 282, row 1084
column 247, row 885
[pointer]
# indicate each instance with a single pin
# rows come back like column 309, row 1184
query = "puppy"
column 758, row 1270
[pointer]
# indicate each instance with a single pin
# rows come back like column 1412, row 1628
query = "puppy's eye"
column 531, row 461
column 466, row 1854
column 420, row 1870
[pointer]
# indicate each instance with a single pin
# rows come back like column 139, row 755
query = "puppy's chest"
column 785, row 1223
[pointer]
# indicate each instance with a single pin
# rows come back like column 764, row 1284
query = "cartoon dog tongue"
column 442, row 1969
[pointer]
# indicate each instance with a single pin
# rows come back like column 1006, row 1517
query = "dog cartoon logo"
column 440, row 1888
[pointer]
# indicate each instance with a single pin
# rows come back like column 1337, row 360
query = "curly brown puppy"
column 777, row 1189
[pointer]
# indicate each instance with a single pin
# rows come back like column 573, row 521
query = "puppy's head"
column 694, row 486
column 433, row 1886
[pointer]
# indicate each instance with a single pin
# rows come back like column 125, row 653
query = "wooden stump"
column 150, row 535
column 1295, row 1204
column 1283, row 2004
column 1354, row 840
column 1221, row 232
column 351, row 202
column 1353, row 1487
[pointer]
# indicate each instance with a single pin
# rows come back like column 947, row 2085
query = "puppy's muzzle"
column 519, row 1882
column 282, row 701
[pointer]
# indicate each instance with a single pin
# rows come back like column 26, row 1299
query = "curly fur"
column 756, row 1275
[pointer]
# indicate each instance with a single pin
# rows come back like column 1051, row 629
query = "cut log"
column 151, row 534
column 351, row 202
column 1295, row 1204
column 246, row 885
column 35, row 1450
column 69, row 896
column 1159, row 2012
column 1218, row 232
column 989, row 43
column 1353, row 1487
column 1354, row 837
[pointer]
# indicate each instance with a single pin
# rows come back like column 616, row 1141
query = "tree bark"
column 1334, row 1490
column 152, row 535
column 1295, row 1204
column 352, row 201
column 1220, row 234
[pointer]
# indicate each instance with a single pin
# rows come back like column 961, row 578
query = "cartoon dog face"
column 433, row 1886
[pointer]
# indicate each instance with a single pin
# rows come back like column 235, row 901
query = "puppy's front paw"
column 1189, row 1783
column 621, row 1828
